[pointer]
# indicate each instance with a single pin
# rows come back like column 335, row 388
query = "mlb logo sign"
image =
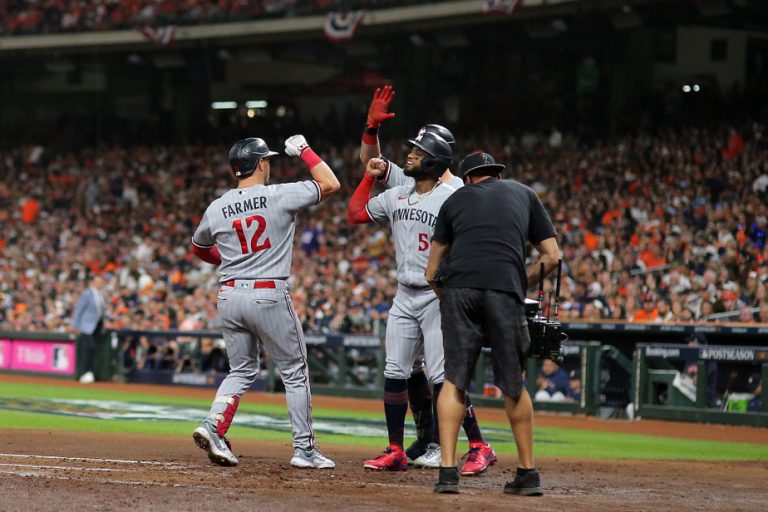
column 244, row 284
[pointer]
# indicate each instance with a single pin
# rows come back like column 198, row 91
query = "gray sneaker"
column 431, row 459
column 206, row 438
column 311, row 459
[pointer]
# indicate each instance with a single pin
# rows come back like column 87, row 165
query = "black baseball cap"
column 478, row 161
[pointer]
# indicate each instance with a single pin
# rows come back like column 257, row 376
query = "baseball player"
column 248, row 231
column 425, row 451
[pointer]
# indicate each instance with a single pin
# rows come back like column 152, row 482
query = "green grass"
column 549, row 442
column 11, row 390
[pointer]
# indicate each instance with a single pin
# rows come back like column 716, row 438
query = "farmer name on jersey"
column 252, row 203
column 414, row 214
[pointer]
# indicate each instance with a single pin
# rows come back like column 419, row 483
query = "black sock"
column 420, row 397
column 524, row 471
column 471, row 427
column 435, row 395
column 395, row 409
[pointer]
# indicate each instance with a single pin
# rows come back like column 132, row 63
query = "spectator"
column 762, row 313
column 553, row 383
column 574, row 394
column 649, row 312
column 746, row 316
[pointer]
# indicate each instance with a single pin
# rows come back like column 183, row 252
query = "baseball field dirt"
column 53, row 470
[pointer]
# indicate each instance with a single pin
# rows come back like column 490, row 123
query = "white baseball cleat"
column 311, row 459
column 87, row 378
column 207, row 439
column 431, row 459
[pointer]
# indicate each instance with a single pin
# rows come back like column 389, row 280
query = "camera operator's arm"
column 549, row 254
column 436, row 254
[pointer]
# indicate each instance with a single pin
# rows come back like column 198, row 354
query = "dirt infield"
column 43, row 470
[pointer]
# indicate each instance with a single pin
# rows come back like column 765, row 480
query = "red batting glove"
column 379, row 109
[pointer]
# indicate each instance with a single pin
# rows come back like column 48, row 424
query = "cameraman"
column 481, row 234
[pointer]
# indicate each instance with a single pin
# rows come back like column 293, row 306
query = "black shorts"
column 471, row 316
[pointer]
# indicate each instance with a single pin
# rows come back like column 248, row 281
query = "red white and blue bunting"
column 341, row 26
column 161, row 35
column 501, row 6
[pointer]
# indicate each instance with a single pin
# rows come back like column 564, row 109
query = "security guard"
column 480, row 238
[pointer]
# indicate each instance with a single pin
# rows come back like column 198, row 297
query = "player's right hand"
column 295, row 144
column 376, row 167
column 379, row 109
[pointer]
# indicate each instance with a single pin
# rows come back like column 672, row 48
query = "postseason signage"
column 707, row 353
column 748, row 329
column 37, row 356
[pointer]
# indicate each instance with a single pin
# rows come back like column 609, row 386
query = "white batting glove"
column 295, row 144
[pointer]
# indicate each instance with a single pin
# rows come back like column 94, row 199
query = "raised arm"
column 377, row 113
column 297, row 145
column 357, row 213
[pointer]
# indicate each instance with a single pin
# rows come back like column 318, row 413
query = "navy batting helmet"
column 440, row 130
column 245, row 155
column 439, row 152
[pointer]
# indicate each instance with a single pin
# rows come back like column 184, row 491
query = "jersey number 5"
column 423, row 241
column 261, row 225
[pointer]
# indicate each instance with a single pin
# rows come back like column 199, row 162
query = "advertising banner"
column 41, row 356
column 5, row 354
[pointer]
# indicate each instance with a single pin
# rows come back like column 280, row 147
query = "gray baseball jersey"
column 413, row 327
column 253, row 228
column 412, row 217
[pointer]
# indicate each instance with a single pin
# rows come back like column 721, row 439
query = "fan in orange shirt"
column 29, row 210
column 648, row 313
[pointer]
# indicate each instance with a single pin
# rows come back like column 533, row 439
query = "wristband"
column 371, row 135
column 310, row 157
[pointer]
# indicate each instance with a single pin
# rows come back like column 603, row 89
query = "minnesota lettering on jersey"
column 252, row 203
column 414, row 214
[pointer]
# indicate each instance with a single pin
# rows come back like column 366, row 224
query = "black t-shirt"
column 487, row 225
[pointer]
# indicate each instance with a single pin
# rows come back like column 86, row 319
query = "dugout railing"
column 655, row 383
column 340, row 364
column 698, row 383
column 584, row 358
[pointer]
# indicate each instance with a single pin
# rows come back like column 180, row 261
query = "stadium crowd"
column 668, row 227
column 24, row 17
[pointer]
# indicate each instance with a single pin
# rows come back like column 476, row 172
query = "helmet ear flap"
column 439, row 152
column 436, row 164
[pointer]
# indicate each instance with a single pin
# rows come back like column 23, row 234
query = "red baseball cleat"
column 479, row 457
column 393, row 459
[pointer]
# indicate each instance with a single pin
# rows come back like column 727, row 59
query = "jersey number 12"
column 261, row 225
